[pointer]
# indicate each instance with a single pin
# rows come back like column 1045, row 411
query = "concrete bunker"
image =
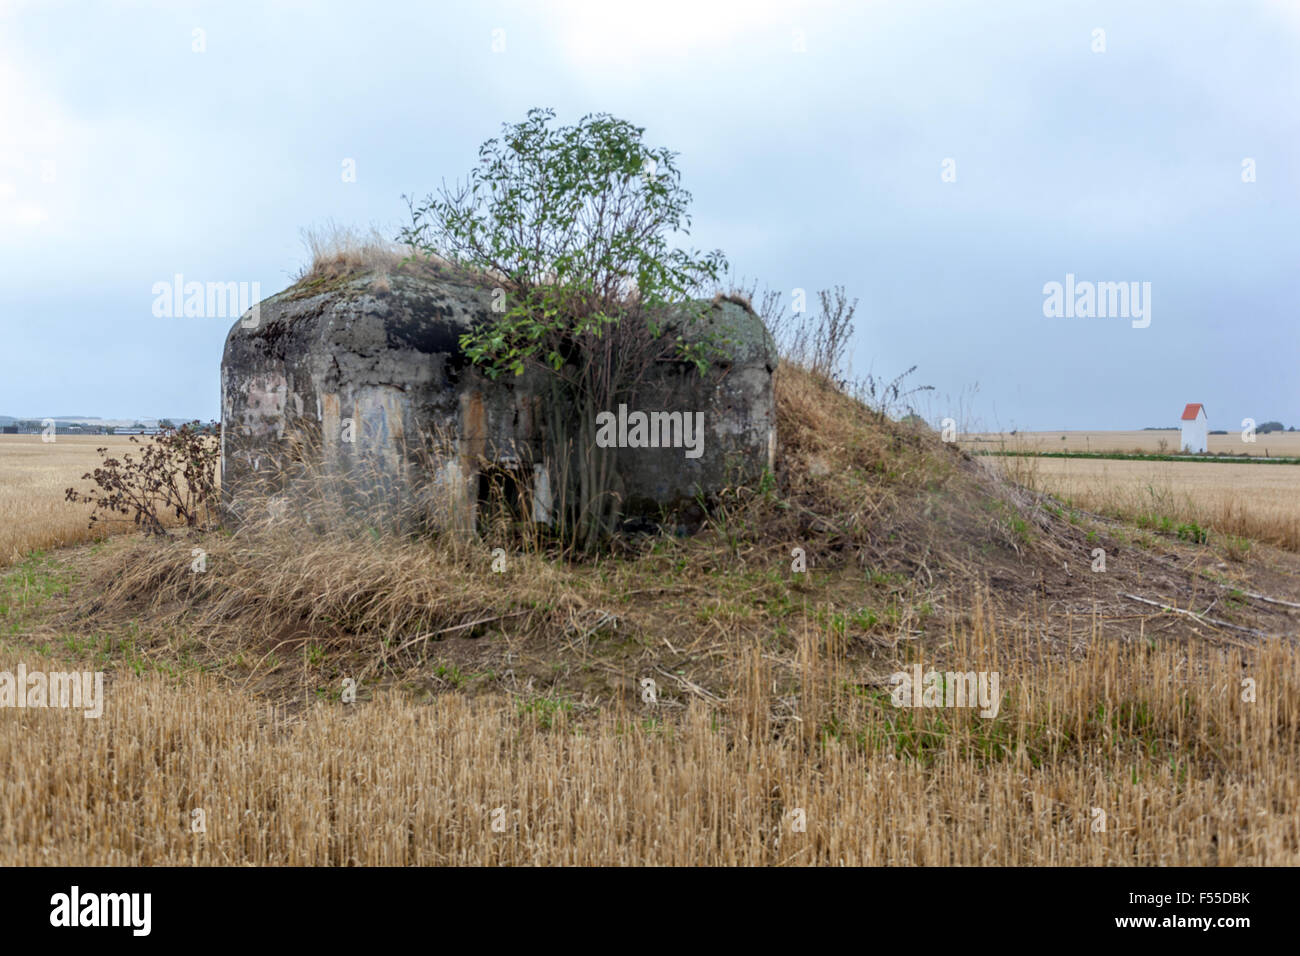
column 371, row 394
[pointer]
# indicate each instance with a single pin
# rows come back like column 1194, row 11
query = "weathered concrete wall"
column 739, row 411
column 373, row 391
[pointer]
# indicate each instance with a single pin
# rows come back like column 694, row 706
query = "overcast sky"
column 813, row 137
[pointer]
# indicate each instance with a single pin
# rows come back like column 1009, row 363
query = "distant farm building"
column 1195, row 426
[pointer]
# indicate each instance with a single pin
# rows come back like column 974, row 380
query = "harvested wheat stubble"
column 34, row 514
column 33, row 477
column 1164, row 441
column 1259, row 502
column 1184, row 771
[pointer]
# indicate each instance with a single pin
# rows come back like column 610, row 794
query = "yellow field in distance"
column 1273, row 445
column 33, row 476
column 1257, row 501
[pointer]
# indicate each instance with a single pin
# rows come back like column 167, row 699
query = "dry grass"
column 1260, row 502
column 1156, row 738
column 337, row 251
column 1273, row 445
column 339, row 254
column 843, row 464
column 33, row 477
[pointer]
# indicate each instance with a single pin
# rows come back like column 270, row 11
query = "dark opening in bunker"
column 503, row 495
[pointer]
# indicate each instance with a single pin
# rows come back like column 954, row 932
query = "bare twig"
column 1264, row 597
column 690, row 685
column 1193, row 615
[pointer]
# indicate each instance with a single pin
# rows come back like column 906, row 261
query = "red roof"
column 1192, row 410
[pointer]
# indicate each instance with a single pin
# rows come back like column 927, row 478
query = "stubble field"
column 525, row 736
column 1260, row 502
column 33, row 476
column 1164, row 441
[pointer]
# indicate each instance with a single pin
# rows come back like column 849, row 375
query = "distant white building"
column 1195, row 429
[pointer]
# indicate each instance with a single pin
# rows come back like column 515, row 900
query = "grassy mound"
column 906, row 542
